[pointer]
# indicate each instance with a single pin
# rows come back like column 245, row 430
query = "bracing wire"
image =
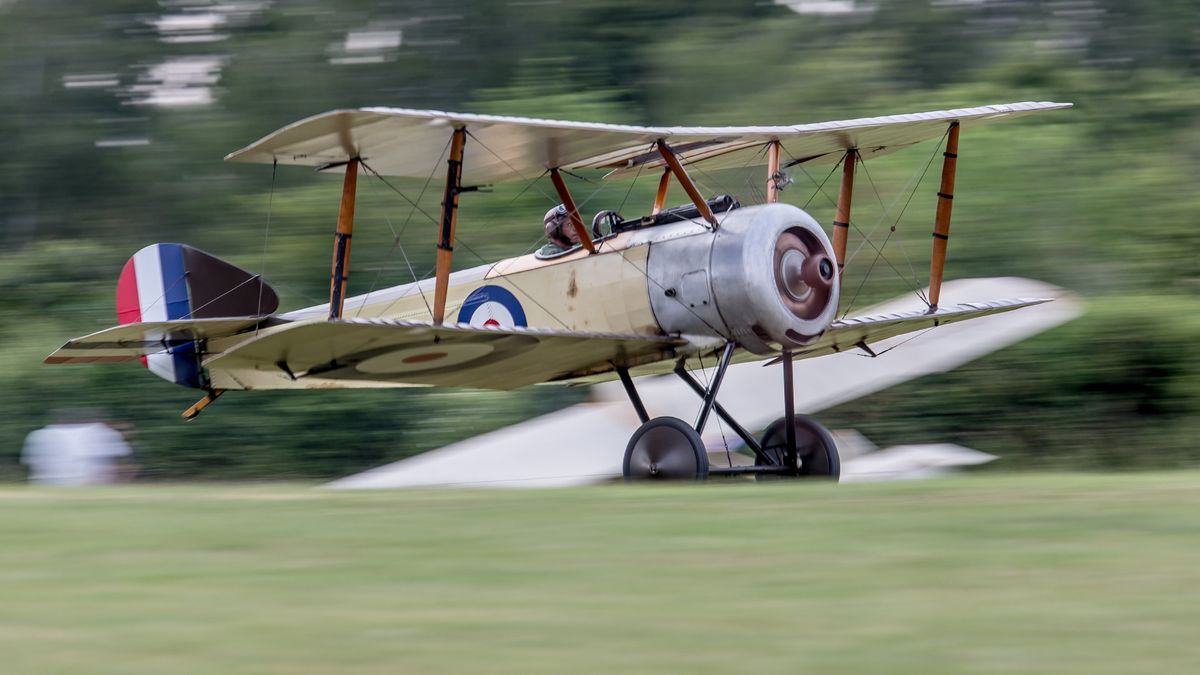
column 505, row 162
column 396, row 245
column 291, row 290
column 397, row 191
column 244, row 282
column 910, row 189
column 865, row 239
column 632, row 183
column 903, row 249
column 262, row 273
column 759, row 195
column 508, row 279
column 903, row 342
column 820, row 186
column 428, row 180
column 892, row 230
column 404, row 227
column 720, row 424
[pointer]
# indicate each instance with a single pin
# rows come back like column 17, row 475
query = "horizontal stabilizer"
column 846, row 334
column 128, row 342
column 374, row 352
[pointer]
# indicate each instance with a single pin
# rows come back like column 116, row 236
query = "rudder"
column 167, row 282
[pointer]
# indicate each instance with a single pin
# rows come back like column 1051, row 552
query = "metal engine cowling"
column 766, row 279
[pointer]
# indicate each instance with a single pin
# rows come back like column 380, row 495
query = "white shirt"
column 73, row 454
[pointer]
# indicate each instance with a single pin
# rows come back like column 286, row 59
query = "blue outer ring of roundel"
column 496, row 294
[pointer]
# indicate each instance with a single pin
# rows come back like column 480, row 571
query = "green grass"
column 1017, row 573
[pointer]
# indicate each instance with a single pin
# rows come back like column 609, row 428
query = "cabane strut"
column 774, row 178
column 685, row 181
column 660, row 198
column 568, row 202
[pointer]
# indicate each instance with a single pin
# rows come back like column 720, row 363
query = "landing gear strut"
column 667, row 448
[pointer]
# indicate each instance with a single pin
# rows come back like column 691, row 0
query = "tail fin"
column 166, row 282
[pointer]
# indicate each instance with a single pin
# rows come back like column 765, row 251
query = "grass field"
column 1037, row 573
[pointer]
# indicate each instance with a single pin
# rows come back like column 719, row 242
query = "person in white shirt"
column 74, row 454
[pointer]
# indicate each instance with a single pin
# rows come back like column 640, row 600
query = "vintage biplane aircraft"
column 645, row 295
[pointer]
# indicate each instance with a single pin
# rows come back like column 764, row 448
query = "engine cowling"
column 766, row 278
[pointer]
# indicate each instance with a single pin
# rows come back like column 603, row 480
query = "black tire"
column 665, row 448
column 816, row 451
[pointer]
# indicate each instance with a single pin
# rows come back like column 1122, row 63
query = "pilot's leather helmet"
column 558, row 227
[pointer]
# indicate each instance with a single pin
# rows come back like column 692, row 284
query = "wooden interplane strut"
column 664, row 184
column 773, row 175
column 340, row 273
column 449, row 221
column 941, row 221
column 841, row 220
column 685, row 181
column 573, row 213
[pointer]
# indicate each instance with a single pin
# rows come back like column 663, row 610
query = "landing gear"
column 667, row 448
column 816, row 453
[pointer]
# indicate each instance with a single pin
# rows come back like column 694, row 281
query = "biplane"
column 655, row 294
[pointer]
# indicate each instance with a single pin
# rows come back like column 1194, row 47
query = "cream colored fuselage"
column 605, row 292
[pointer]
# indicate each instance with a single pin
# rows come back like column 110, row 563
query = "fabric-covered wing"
column 370, row 352
column 847, row 334
column 129, row 341
column 404, row 142
column 816, row 143
column 412, row 143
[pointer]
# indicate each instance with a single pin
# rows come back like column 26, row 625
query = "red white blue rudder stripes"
column 175, row 282
column 154, row 287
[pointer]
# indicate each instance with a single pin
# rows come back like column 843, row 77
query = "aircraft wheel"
column 816, row 451
column 665, row 448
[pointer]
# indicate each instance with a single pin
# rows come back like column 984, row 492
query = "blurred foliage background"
column 115, row 114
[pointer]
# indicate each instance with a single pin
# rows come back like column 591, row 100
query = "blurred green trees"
column 114, row 116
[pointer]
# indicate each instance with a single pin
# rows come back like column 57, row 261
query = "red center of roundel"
column 424, row 358
column 491, row 323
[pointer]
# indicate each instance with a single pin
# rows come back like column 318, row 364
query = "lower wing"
column 353, row 353
column 863, row 331
column 377, row 352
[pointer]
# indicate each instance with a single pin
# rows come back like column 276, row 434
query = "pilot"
column 559, row 229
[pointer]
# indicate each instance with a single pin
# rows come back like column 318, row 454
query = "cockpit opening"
column 563, row 239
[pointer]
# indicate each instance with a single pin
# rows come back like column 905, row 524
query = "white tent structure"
column 911, row 462
column 585, row 443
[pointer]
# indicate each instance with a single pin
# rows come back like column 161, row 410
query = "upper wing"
column 847, row 334
column 131, row 340
column 371, row 352
column 403, row 142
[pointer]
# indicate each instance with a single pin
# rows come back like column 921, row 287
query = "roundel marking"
column 492, row 307
column 420, row 359
column 425, row 357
